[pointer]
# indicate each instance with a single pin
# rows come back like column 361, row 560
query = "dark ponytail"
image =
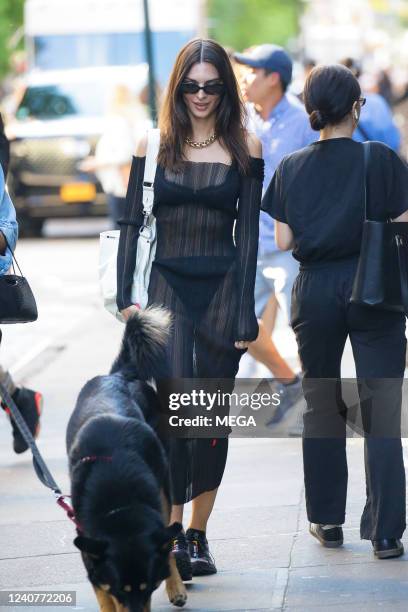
column 329, row 95
column 318, row 120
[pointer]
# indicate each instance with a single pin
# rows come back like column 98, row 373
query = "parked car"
column 57, row 124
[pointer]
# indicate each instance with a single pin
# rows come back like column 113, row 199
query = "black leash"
column 40, row 466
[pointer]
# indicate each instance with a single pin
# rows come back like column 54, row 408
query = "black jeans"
column 322, row 319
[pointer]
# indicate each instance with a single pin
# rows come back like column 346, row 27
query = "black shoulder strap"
column 14, row 260
column 367, row 155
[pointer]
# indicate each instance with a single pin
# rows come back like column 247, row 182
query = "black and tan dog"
column 119, row 475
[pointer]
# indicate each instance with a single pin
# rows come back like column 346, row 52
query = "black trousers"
column 322, row 318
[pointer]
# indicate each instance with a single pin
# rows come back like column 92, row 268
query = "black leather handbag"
column 17, row 302
column 381, row 279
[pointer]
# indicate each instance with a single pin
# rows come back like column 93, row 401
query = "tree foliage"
column 11, row 18
column 243, row 23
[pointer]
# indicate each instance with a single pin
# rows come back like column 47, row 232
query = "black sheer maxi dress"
column 207, row 217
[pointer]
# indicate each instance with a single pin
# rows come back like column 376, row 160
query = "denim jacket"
column 8, row 224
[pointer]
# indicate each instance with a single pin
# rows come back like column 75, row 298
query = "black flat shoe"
column 330, row 538
column 387, row 548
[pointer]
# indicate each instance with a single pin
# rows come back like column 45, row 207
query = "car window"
column 58, row 101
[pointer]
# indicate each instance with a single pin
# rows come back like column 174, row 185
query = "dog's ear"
column 167, row 534
column 94, row 548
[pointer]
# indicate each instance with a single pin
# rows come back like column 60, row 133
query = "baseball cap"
column 270, row 57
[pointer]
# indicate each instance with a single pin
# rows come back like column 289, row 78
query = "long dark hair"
column 174, row 121
column 329, row 95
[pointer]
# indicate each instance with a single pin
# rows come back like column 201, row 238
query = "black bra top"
column 212, row 184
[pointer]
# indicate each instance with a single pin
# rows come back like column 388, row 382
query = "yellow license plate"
column 78, row 192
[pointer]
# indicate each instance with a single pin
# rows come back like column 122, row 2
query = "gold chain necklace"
column 203, row 143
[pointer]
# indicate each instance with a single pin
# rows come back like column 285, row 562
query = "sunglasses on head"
column 211, row 89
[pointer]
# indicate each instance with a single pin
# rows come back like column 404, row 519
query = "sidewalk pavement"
column 258, row 533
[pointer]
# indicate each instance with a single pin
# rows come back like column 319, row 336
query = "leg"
column 179, row 359
column 217, row 363
column 318, row 320
column 105, row 601
column 284, row 270
column 270, row 313
column 379, row 346
column 177, row 512
column 175, row 588
column 176, row 591
column 202, row 508
column 264, row 349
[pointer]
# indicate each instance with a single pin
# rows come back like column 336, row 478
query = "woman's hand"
column 242, row 344
column 129, row 311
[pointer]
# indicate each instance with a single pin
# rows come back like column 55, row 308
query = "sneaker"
column 329, row 536
column 180, row 550
column 30, row 405
column 387, row 548
column 289, row 396
column 201, row 559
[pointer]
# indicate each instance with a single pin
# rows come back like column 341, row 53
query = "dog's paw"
column 177, row 595
column 179, row 600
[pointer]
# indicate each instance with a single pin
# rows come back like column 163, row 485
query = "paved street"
column 266, row 559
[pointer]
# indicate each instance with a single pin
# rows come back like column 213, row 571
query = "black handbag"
column 381, row 279
column 17, row 302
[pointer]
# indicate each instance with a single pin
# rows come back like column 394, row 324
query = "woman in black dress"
column 209, row 176
column 317, row 198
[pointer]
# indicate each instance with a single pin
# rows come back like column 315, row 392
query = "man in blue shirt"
column 281, row 123
column 29, row 402
column 376, row 121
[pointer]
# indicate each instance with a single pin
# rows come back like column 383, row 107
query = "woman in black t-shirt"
column 317, row 199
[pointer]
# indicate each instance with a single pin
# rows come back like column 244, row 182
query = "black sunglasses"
column 211, row 89
column 362, row 101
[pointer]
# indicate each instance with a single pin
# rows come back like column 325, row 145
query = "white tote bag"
column 146, row 244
